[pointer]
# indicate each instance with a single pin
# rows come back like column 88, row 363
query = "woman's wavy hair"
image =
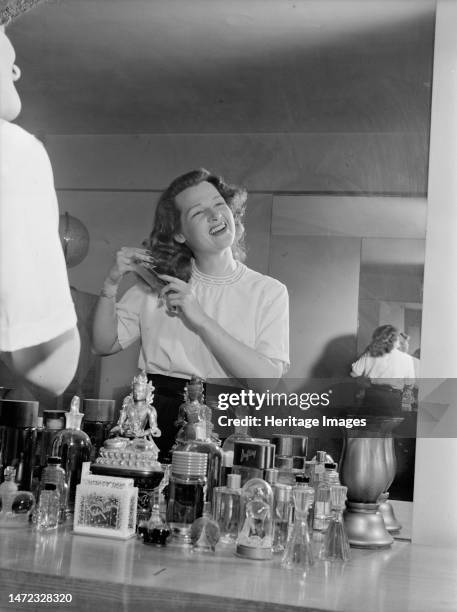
column 383, row 340
column 173, row 257
column 11, row 9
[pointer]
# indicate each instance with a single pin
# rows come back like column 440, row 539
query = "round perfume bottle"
column 15, row 506
column 205, row 532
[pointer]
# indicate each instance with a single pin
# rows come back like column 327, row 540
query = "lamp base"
column 365, row 526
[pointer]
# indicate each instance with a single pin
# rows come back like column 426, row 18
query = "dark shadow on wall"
column 336, row 358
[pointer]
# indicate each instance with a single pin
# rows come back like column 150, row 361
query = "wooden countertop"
column 105, row 574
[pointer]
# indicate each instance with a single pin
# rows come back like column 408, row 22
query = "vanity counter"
column 105, row 574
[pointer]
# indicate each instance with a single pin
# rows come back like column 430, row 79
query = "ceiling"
column 219, row 66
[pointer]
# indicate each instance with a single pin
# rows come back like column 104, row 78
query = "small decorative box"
column 106, row 506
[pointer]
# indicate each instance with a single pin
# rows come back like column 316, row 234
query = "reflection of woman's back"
column 388, row 370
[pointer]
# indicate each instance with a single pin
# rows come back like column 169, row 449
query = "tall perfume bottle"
column 226, row 508
column 303, row 481
column 299, row 553
column 196, row 434
column 322, row 504
column 336, row 544
column 282, row 515
column 73, row 446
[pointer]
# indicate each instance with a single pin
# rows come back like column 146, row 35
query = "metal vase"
column 367, row 469
column 385, row 507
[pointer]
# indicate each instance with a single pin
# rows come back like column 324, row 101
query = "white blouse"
column 395, row 369
column 251, row 307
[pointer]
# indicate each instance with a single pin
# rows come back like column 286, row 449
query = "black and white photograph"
column 228, row 331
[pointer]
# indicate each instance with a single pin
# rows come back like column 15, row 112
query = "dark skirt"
column 382, row 400
column 168, row 397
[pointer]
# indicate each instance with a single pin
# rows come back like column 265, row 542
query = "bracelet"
column 109, row 291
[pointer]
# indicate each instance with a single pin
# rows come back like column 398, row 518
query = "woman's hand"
column 180, row 299
column 126, row 259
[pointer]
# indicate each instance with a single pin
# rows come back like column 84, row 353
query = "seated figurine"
column 138, row 418
column 195, row 417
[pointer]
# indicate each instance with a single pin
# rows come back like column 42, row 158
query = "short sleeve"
column 35, row 300
column 272, row 339
column 128, row 311
column 359, row 366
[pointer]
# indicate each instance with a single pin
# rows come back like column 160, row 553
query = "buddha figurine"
column 195, row 417
column 130, row 445
column 137, row 422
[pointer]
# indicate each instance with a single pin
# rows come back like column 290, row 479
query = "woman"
column 214, row 317
column 388, row 370
column 39, row 339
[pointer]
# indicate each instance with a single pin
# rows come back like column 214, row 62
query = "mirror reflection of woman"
column 388, row 370
column 214, row 317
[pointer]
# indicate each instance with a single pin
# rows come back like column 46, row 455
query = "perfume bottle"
column 299, row 553
column 185, row 492
column 18, row 435
column 155, row 530
column 303, row 481
column 336, row 544
column 226, row 508
column 205, row 532
column 317, row 468
column 48, row 511
column 54, row 474
column 53, row 422
column 241, row 432
column 282, row 515
column 255, row 539
column 16, row 506
column 322, row 507
column 196, row 434
column 73, row 446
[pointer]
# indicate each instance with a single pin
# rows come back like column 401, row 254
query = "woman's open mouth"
column 218, row 229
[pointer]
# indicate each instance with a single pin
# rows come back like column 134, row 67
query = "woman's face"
column 207, row 224
column 10, row 103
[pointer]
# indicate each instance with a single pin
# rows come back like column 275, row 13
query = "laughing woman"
column 213, row 317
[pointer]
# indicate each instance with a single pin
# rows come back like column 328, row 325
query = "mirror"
column 320, row 108
column 390, row 290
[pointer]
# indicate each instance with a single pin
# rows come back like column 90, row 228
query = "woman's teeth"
column 220, row 227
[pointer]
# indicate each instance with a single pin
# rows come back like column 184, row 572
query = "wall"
column 435, row 495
